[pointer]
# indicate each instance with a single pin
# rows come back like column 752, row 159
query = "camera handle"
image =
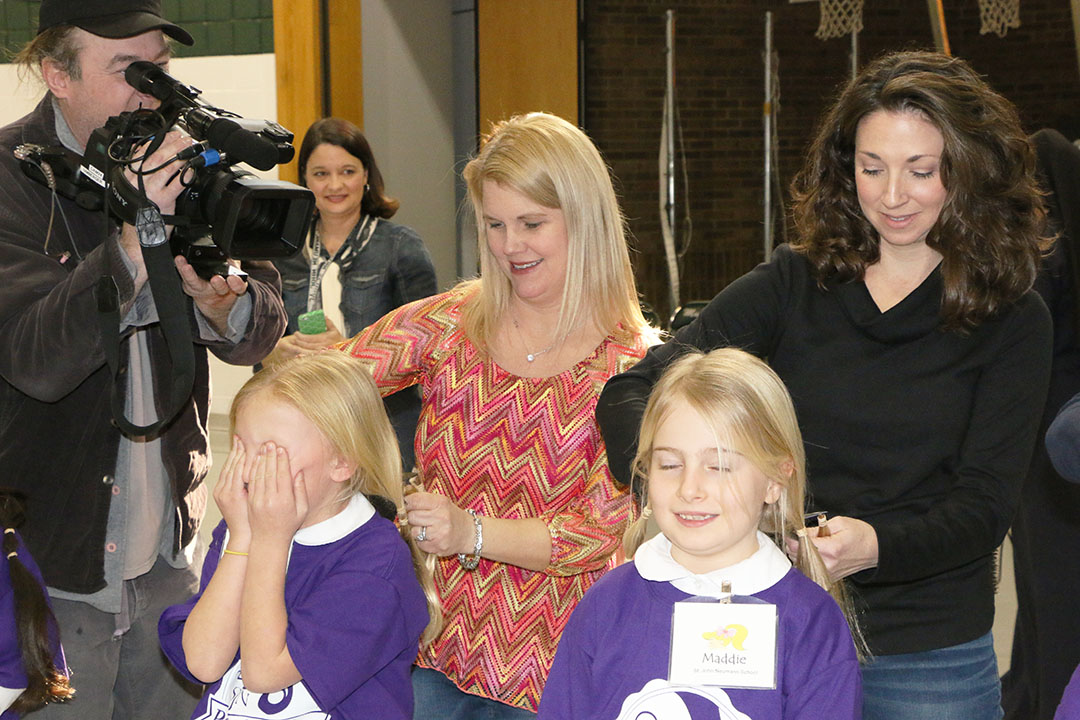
column 172, row 306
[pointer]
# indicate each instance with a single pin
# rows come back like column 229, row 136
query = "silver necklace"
column 530, row 356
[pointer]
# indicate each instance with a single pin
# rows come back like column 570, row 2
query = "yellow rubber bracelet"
column 234, row 552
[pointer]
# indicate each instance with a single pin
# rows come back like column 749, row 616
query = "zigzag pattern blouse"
column 509, row 447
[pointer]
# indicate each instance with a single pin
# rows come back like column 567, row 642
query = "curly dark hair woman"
column 904, row 323
column 989, row 230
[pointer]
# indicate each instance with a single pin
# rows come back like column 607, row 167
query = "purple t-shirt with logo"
column 356, row 612
column 612, row 660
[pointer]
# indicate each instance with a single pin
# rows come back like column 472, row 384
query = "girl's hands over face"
column 277, row 502
column 231, row 496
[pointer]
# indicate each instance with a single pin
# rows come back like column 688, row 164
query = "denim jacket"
column 392, row 269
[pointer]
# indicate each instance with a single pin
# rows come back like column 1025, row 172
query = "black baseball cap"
column 110, row 18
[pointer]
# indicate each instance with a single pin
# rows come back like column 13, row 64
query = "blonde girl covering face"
column 326, row 411
column 301, row 542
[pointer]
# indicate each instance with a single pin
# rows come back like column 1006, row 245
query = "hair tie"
column 12, row 554
column 9, row 531
column 801, row 532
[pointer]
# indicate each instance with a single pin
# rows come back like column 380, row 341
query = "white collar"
column 758, row 572
column 356, row 513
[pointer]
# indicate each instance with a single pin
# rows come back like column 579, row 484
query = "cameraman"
column 112, row 518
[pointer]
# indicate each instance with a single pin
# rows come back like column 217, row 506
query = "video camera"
column 224, row 212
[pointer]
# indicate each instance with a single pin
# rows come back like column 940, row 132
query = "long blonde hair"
column 746, row 403
column 337, row 394
column 555, row 165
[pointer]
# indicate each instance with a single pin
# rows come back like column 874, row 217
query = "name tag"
column 726, row 644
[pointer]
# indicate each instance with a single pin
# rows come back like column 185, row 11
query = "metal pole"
column 669, row 112
column 937, row 25
column 767, row 116
column 854, row 54
column 667, row 170
column 1076, row 27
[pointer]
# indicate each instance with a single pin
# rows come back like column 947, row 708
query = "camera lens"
column 259, row 215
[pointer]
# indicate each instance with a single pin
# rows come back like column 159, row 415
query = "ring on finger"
column 422, row 535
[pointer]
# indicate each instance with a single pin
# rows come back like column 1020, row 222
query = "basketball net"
column 997, row 16
column 839, row 18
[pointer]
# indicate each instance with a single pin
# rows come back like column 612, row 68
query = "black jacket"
column 57, row 440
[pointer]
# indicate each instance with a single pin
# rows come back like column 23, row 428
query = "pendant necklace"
column 530, row 356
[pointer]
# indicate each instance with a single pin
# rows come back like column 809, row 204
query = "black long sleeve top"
column 923, row 433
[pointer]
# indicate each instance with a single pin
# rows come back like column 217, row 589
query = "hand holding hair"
column 449, row 529
column 850, row 547
column 297, row 343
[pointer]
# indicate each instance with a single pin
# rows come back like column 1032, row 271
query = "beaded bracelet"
column 470, row 563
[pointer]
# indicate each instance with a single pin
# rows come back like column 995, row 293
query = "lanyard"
column 320, row 265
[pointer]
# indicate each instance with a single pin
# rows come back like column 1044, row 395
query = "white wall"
column 242, row 83
column 409, row 116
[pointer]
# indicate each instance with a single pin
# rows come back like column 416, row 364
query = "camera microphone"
column 236, row 142
column 223, row 134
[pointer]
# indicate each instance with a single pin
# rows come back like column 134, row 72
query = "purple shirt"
column 614, row 654
column 355, row 612
column 1069, row 709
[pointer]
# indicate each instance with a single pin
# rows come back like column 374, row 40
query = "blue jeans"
column 437, row 698
column 123, row 674
column 954, row 683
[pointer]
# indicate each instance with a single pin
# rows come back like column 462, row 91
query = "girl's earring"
column 367, row 188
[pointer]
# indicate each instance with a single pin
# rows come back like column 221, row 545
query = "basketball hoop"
column 997, row 16
column 839, row 18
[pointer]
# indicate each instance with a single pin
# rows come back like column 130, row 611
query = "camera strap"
column 171, row 302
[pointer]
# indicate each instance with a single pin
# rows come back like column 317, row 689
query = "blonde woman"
column 721, row 459
column 517, row 501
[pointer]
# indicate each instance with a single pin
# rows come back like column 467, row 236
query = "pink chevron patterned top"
column 509, row 447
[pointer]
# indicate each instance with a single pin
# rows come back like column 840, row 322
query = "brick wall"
column 719, row 78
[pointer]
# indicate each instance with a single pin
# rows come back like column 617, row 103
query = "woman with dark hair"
column 904, row 324
column 379, row 265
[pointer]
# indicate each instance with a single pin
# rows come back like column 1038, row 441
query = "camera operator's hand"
column 214, row 297
column 161, row 188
